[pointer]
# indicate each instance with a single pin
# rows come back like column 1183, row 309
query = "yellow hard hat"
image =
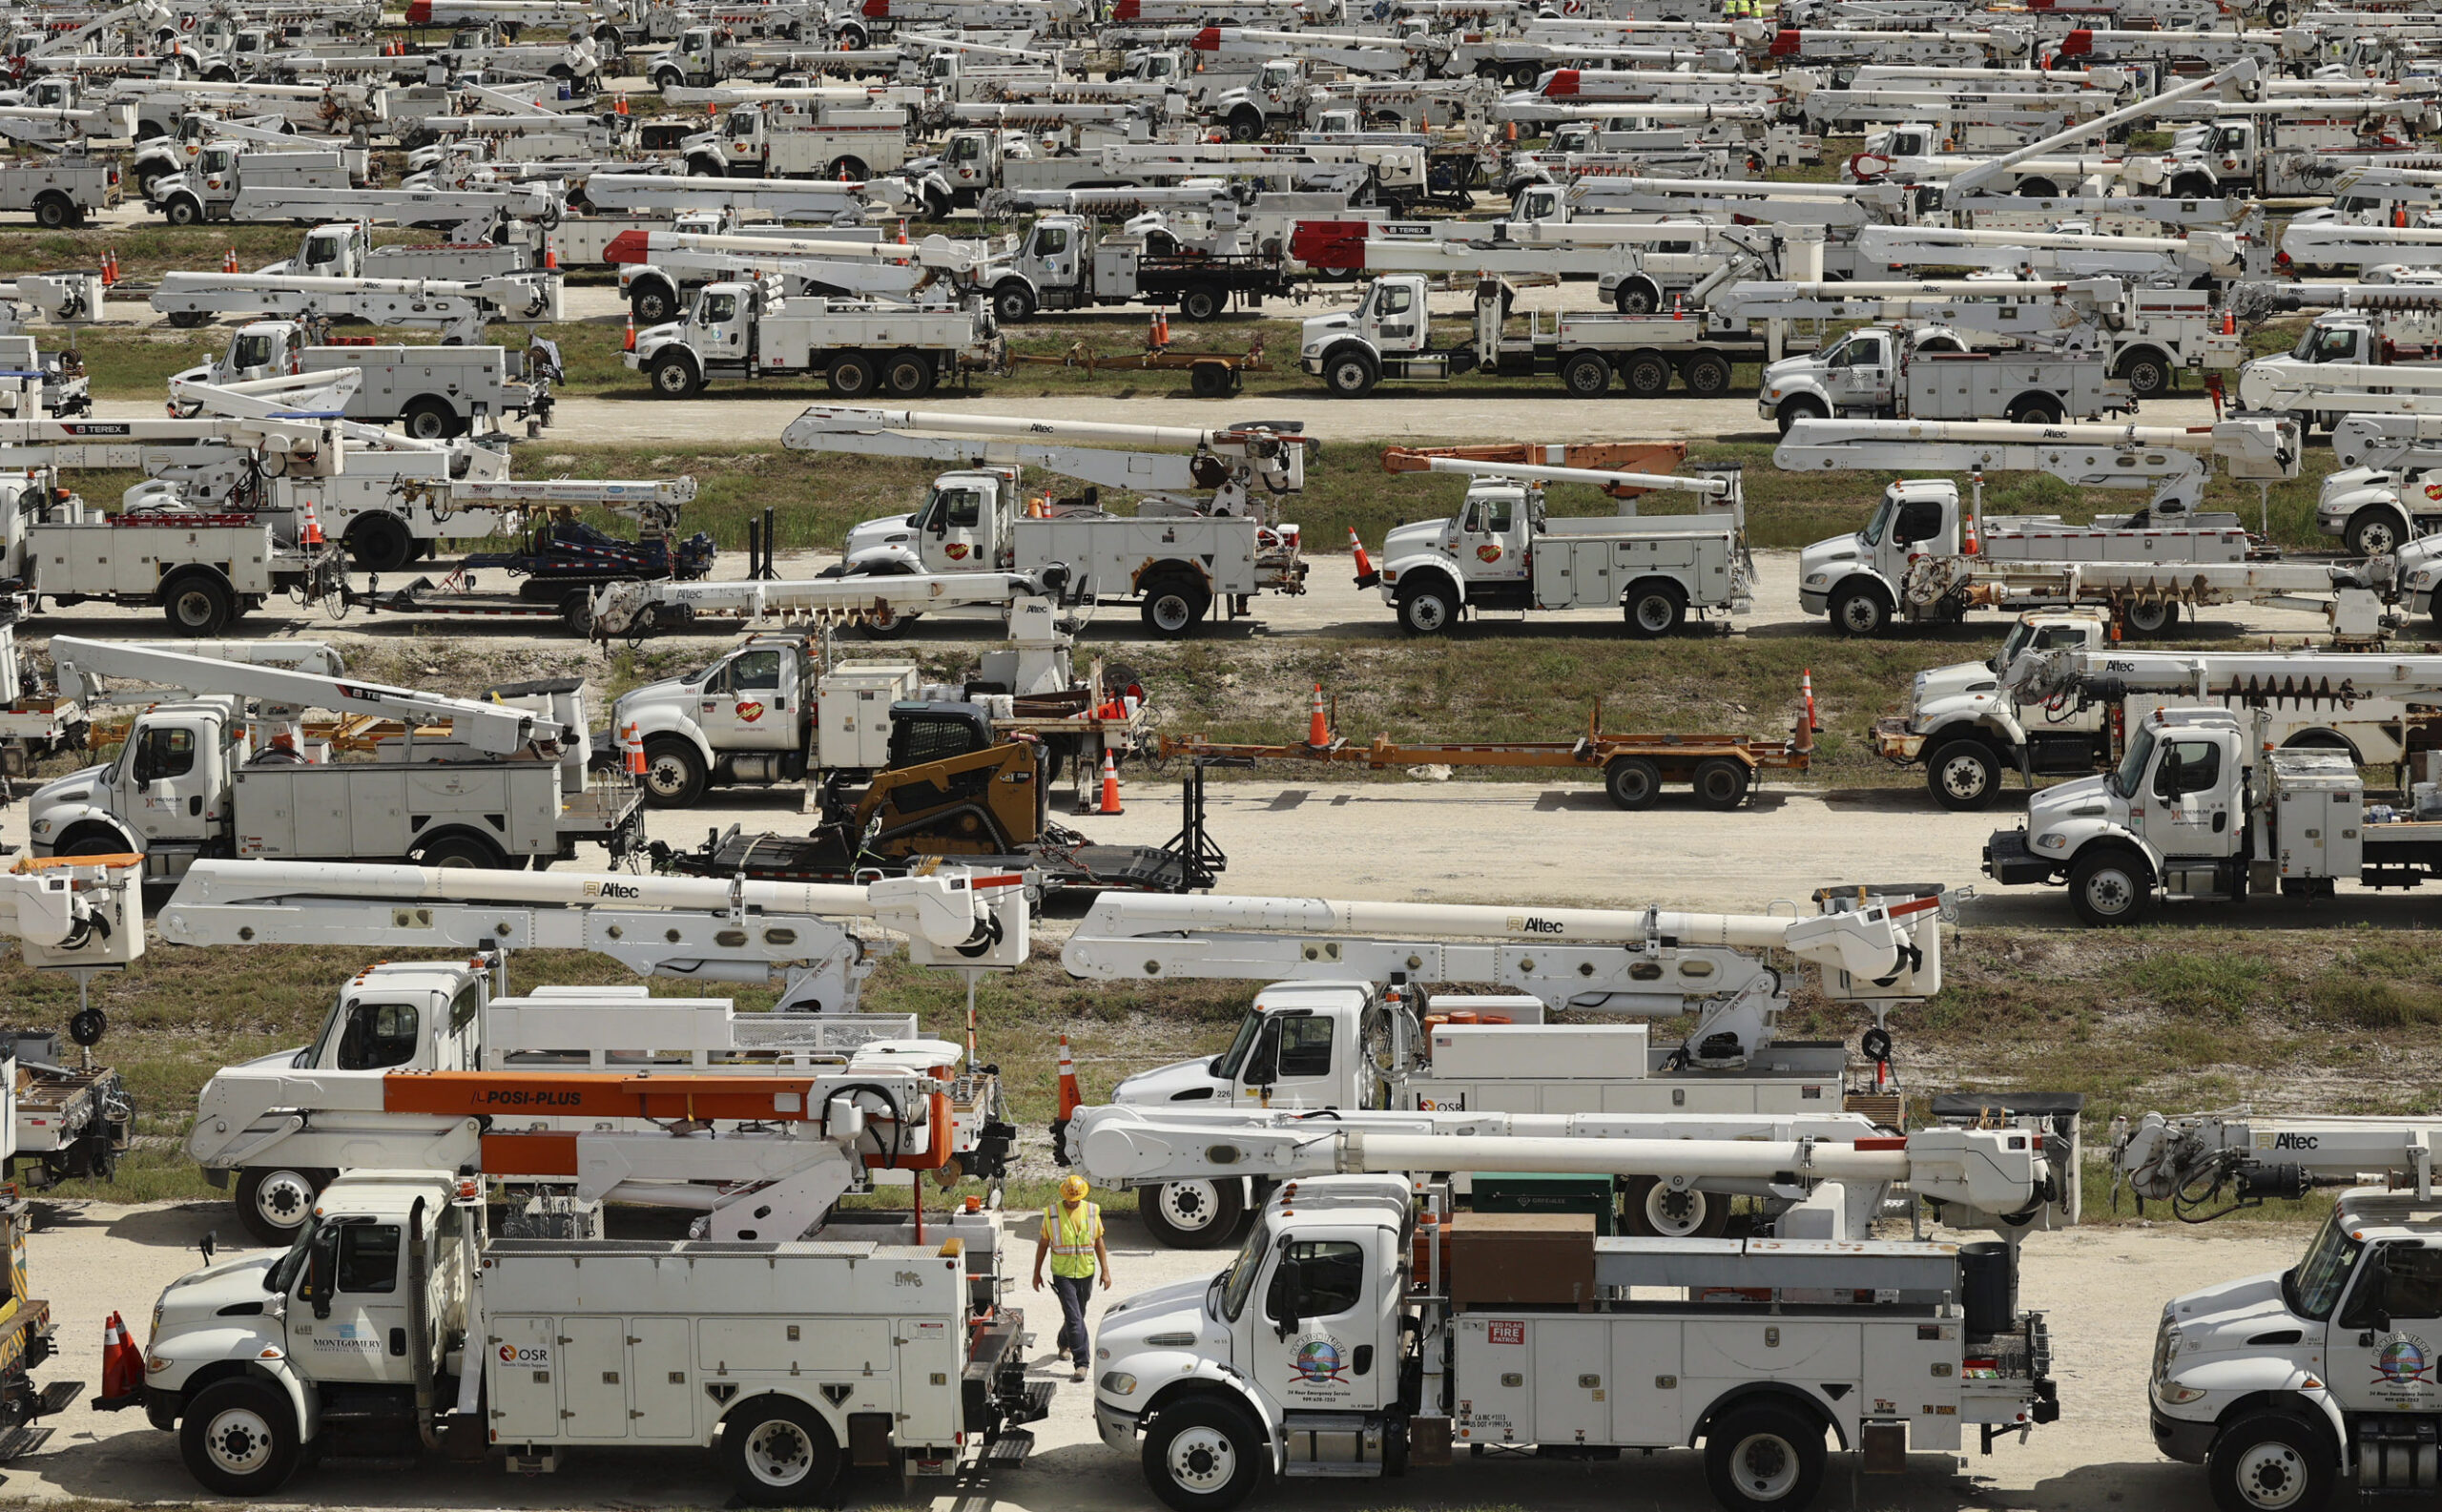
column 1072, row 1189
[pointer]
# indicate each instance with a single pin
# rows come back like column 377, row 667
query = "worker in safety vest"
column 1073, row 1236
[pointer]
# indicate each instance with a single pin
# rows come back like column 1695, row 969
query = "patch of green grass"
column 2215, row 983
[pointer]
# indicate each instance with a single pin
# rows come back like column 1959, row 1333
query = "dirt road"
column 2103, row 1288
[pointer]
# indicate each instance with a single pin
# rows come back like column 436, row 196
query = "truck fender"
column 72, row 824
column 1198, row 1378
column 1408, row 569
column 260, row 1355
column 812, row 1400
column 882, row 561
column 1803, row 1400
column 666, row 721
column 1860, row 572
column 1999, row 730
column 2292, row 1399
column 1162, row 568
column 2114, row 835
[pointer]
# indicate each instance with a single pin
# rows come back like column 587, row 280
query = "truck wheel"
column 182, row 212
column 847, row 168
column 1633, row 782
column 198, row 606
column 1013, row 303
column 1762, row 1457
column 379, row 543
column 2035, row 411
column 851, row 375
column 907, row 375
column 2373, row 531
column 1192, row 1215
column 1647, row 375
column 778, row 1452
column 2112, row 885
column 675, row 776
column 1654, row 608
column 674, row 377
column 1652, row 1211
column 2147, row 375
column 1586, row 375
column 1351, row 373
column 2195, row 186
column 1204, row 301
column 1245, row 126
column 1792, row 411
column 1861, row 610
column 189, row 320
column 1205, row 1456
column 2151, row 617
column 1707, row 375
column 239, row 1438
column 275, row 1201
column 1429, row 608
column 431, row 418
column 1174, row 607
column 2270, row 1463
column 1963, row 775
column 455, row 852
column 651, row 303
column 1636, row 297
column 668, row 79
column 54, row 212
column 1719, row 783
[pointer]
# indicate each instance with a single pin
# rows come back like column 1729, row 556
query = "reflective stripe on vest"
column 1072, row 1238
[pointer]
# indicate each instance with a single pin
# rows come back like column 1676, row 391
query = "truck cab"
column 1966, row 729
column 1391, row 330
column 964, row 525
column 1860, row 374
column 165, row 794
column 745, row 717
column 256, row 349
column 1276, row 93
column 2289, row 1386
column 336, row 250
column 1856, row 578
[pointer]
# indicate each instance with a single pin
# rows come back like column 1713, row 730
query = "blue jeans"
column 1073, row 1291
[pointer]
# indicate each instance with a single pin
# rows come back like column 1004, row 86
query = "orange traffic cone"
column 228, row 261
column 110, row 268
column 1111, row 786
column 632, row 331
column 2230, row 322
column 122, row 1368
column 903, row 233
column 551, row 258
column 1319, row 727
column 636, row 745
column 313, row 526
column 1806, row 686
column 621, row 106
column 1968, row 545
column 1162, row 327
column 1366, row 576
column 1070, row 1099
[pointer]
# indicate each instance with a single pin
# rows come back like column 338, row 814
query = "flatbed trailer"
column 1722, row 768
column 1211, row 375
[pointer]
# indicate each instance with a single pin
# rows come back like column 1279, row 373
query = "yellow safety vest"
column 1072, row 1238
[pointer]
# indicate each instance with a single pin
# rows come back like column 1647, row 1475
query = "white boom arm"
column 704, row 929
column 2235, row 1158
column 456, row 306
column 2234, row 78
column 1254, row 455
column 1608, row 482
column 2302, row 678
column 75, row 913
column 2088, row 456
column 618, row 608
column 2035, row 305
column 497, row 729
column 938, row 253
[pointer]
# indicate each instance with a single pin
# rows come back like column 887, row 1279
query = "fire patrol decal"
column 1318, row 1363
column 522, row 1357
column 1512, row 1333
column 1489, row 552
column 750, row 712
column 2404, row 1361
column 958, row 551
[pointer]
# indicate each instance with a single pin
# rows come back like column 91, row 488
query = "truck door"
column 965, row 164
column 1395, row 316
column 1859, row 377
column 2188, row 808
column 1291, row 1065
column 2382, row 1341
column 743, row 707
column 1051, row 256
column 1492, row 538
column 349, row 1321
column 376, row 1036
column 1920, row 528
column 170, row 779
column 744, row 137
column 950, row 528
column 1323, row 1343
column 721, row 325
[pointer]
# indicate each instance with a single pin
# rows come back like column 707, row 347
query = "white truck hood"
column 1828, row 558
column 898, row 530
column 1317, row 329
column 74, row 790
column 1790, row 366
column 2220, row 1319
column 2078, row 803
column 1165, row 1319
column 1942, row 694
column 1407, row 540
column 1179, row 1081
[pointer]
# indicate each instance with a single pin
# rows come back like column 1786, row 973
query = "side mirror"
column 1287, row 1285
column 1263, row 1062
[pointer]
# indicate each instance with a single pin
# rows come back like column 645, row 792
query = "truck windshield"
column 2021, row 636
column 1872, row 535
column 1235, row 1056
column 281, row 1277
column 2314, row 1286
column 2132, row 766
column 1238, row 1282
column 252, row 351
column 312, row 1054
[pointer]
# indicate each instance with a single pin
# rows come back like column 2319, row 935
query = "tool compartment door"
column 1912, row 1374
column 1571, row 574
column 594, row 1360
column 1721, row 1353
column 1572, row 1381
column 661, row 1386
column 929, row 1376
column 1644, row 1383
column 522, row 1377
column 1496, row 1380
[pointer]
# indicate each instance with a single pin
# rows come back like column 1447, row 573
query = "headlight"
column 1818, row 579
column 2174, row 1395
column 1118, row 1383
column 2052, row 842
column 42, row 826
column 155, row 1365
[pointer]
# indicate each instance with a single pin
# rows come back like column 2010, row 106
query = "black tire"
column 675, row 776
column 189, row 320
column 1174, row 607
column 2151, row 617
column 1429, row 608
column 1963, row 775
column 1650, row 1209
column 1799, row 407
column 1245, row 126
column 1719, row 783
column 1192, row 1215
column 1013, row 303
column 182, row 212
column 850, row 376
column 1209, row 380
column 651, row 303
column 1654, row 607
column 1586, row 375
column 1707, row 375
column 674, row 376
column 54, row 212
column 275, row 1201
column 1764, row 1457
column 1861, row 610
column 239, row 1438
column 2111, row 885
column 431, row 418
column 1632, row 782
column 379, row 543
column 1636, row 297
column 1647, row 375
column 2035, row 412
column 2146, row 374
column 462, row 851
column 198, row 606
column 2373, row 531
column 2271, row 1463
column 847, row 168
column 1351, row 373
column 1203, row 301
column 778, row 1452
column 1205, row 1456
column 2195, row 186
column 907, row 375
